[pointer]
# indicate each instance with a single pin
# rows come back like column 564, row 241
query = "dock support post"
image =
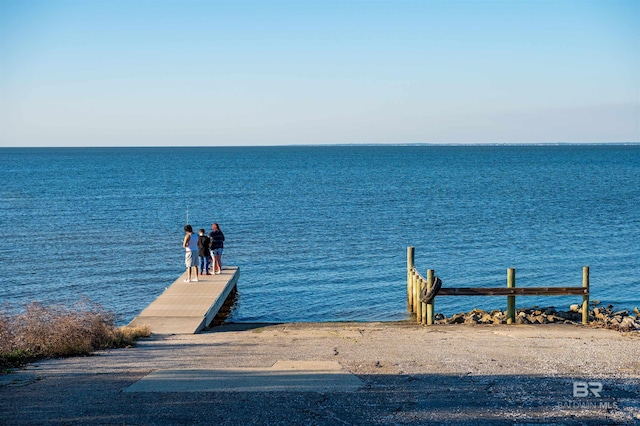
column 416, row 291
column 429, row 306
column 417, row 304
column 410, row 259
column 511, row 300
column 585, row 298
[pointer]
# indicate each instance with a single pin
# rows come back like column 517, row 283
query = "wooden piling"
column 425, row 312
column 430, row 305
column 511, row 300
column 585, row 297
column 410, row 260
column 417, row 304
column 416, row 292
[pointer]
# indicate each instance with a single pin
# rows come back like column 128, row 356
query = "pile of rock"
column 599, row 317
column 619, row 320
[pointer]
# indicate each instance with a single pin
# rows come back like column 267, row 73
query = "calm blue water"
column 321, row 233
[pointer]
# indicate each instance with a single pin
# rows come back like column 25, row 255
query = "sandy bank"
column 408, row 374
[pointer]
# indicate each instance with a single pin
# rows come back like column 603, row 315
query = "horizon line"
column 465, row 144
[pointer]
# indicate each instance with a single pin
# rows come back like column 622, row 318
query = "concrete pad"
column 283, row 376
column 170, row 324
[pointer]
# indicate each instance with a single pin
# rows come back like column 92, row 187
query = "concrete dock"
column 189, row 307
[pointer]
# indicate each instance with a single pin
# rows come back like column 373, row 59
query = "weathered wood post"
column 511, row 300
column 585, row 298
column 429, row 307
column 416, row 295
column 416, row 299
column 410, row 260
column 423, row 307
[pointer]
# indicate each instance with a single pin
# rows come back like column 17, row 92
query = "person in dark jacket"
column 217, row 244
column 204, row 252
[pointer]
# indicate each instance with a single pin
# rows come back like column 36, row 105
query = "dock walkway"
column 187, row 308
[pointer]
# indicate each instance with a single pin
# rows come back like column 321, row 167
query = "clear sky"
column 178, row 73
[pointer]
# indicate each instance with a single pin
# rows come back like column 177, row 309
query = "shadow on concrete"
column 381, row 399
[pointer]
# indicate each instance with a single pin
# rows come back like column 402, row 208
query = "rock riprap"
column 605, row 317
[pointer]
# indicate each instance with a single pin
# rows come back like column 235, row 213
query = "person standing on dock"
column 190, row 244
column 217, row 243
column 204, row 252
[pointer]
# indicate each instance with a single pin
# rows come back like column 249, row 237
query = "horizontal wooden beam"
column 515, row 291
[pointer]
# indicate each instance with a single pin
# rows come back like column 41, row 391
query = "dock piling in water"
column 425, row 311
column 430, row 306
column 585, row 297
column 410, row 280
column 511, row 300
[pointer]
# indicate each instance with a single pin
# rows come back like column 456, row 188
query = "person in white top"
column 190, row 244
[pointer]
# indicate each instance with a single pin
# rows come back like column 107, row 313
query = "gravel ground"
column 411, row 374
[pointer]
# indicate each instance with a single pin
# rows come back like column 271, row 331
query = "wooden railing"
column 424, row 311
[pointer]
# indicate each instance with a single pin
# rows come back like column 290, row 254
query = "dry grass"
column 47, row 331
column 126, row 336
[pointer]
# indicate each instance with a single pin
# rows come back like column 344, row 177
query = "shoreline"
column 409, row 374
column 599, row 317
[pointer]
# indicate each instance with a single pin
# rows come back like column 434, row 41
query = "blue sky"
column 188, row 73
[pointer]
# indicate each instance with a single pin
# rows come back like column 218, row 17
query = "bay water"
column 320, row 233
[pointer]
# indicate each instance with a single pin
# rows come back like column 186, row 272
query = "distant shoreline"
column 408, row 144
